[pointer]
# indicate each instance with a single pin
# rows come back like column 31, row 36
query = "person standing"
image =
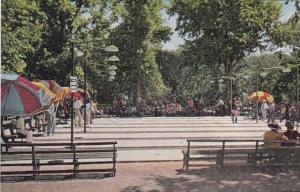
column 88, row 111
column 271, row 113
column 264, row 109
column 77, row 107
column 221, row 107
column 235, row 111
column 50, row 116
column 282, row 111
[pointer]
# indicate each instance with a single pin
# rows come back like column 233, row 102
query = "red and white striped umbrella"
column 20, row 97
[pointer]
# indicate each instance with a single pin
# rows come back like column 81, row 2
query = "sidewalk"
column 168, row 177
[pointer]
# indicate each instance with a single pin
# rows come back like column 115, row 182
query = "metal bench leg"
column 76, row 167
column 187, row 164
column 220, row 160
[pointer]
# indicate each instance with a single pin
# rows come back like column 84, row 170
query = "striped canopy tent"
column 260, row 96
column 19, row 96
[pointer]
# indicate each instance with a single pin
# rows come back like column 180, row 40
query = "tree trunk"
column 138, row 92
column 227, row 82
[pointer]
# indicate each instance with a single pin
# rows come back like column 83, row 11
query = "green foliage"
column 139, row 36
column 221, row 32
column 21, row 33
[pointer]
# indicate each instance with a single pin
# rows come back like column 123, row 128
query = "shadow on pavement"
column 234, row 179
column 46, row 178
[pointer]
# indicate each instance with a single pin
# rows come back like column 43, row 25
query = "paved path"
column 168, row 177
column 158, row 138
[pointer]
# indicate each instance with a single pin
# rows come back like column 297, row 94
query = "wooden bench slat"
column 223, row 153
column 60, row 154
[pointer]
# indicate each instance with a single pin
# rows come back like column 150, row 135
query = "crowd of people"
column 267, row 111
column 165, row 107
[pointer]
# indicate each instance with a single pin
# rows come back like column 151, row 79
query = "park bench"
column 9, row 135
column 59, row 158
column 238, row 152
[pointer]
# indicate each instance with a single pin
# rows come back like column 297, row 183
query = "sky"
column 287, row 11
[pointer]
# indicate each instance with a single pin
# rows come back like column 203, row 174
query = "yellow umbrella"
column 66, row 90
column 55, row 88
column 45, row 88
column 48, row 95
column 260, row 96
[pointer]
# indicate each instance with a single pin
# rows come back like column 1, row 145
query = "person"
column 78, row 117
column 273, row 135
column 190, row 109
column 271, row 112
column 234, row 111
column 291, row 134
column 263, row 109
column 221, row 107
column 21, row 131
column 50, row 116
column 88, row 111
column 20, row 127
column 282, row 111
column 178, row 108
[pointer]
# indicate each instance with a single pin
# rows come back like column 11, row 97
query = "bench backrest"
column 60, row 151
column 18, row 154
column 242, row 146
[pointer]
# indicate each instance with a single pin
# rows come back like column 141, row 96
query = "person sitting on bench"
column 21, row 131
column 278, row 156
column 291, row 134
column 273, row 135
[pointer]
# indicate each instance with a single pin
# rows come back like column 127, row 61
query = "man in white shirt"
column 78, row 117
column 264, row 109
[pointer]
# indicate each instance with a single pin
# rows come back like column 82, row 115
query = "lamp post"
column 231, row 88
column 72, row 98
column 111, row 49
column 287, row 70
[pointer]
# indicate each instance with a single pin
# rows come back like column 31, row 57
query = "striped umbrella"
column 47, row 91
column 260, row 96
column 55, row 88
column 19, row 96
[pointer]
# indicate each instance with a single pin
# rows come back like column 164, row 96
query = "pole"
column 93, row 95
column 297, row 98
column 85, row 98
column 231, row 81
column 72, row 98
column 257, row 96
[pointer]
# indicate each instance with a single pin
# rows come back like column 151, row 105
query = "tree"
column 139, row 36
column 21, row 33
column 221, row 32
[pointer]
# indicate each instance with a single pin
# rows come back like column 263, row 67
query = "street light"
column 110, row 48
column 231, row 90
column 288, row 69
